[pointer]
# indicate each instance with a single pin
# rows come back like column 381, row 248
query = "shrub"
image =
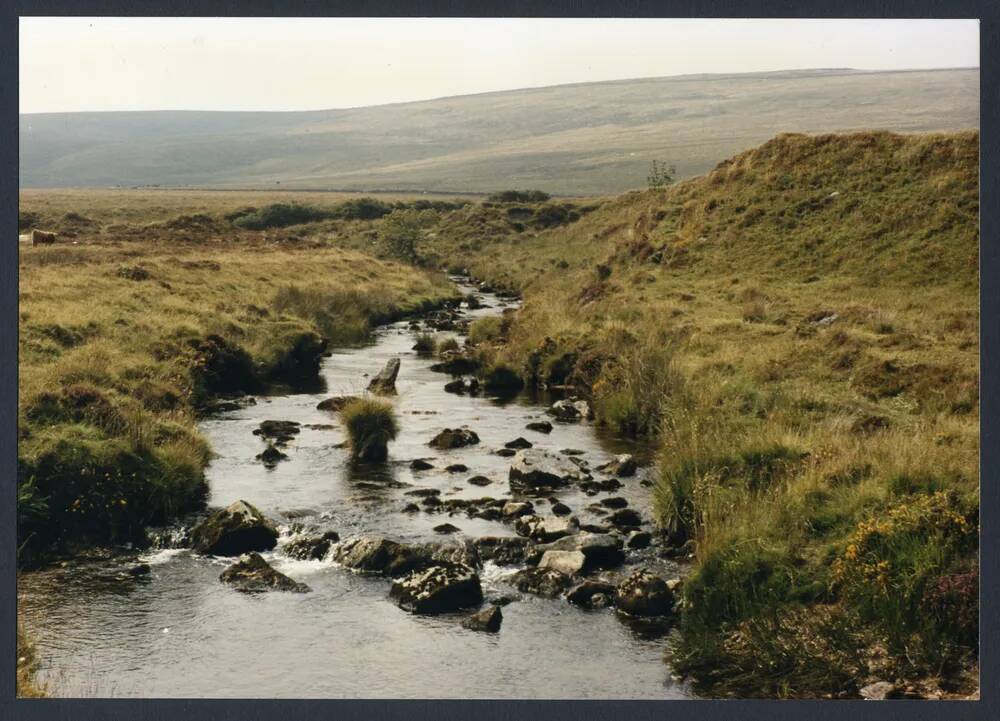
column 400, row 234
column 518, row 196
column 361, row 209
column 370, row 425
column 893, row 560
column 278, row 215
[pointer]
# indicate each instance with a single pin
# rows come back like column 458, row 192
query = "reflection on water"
column 179, row 632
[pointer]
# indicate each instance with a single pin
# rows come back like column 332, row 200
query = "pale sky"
column 72, row 64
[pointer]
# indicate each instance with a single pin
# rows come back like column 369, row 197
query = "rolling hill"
column 582, row 139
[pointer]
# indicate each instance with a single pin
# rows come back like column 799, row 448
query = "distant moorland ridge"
column 581, row 139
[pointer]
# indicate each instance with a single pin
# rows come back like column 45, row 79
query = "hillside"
column 798, row 330
column 585, row 139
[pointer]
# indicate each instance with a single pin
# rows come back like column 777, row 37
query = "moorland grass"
column 799, row 329
column 115, row 366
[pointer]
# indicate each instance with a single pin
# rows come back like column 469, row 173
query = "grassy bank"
column 800, row 328
column 25, row 684
column 122, row 341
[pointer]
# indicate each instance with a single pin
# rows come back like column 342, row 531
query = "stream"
column 180, row 632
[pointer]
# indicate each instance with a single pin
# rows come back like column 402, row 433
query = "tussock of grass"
column 370, row 424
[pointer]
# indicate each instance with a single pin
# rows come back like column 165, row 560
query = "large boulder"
column 546, row 582
column 489, row 620
column 643, row 594
column 601, row 550
column 384, row 384
column 440, row 588
column 374, row 554
column 503, row 550
column 237, row 529
column 252, row 574
column 534, row 469
column 454, row 438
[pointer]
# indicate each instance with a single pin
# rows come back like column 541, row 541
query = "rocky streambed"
column 504, row 550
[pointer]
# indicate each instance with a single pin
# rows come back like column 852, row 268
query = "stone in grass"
column 488, row 620
column 252, row 574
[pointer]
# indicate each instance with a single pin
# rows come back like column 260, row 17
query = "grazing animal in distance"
column 37, row 237
column 42, row 237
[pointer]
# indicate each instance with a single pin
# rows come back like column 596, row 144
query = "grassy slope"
column 802, row 456
column 572, row 139
column 109, row 385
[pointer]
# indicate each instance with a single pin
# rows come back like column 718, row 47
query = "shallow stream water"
column 180, row 632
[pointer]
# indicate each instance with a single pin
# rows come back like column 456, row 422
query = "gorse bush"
column 370, row 425
column 518, row 196
column 895, row 561
column 279, row 215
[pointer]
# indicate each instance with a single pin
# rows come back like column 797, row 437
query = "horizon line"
column 680, row 76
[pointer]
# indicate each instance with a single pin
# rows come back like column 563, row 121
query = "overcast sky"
column 69, row 64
